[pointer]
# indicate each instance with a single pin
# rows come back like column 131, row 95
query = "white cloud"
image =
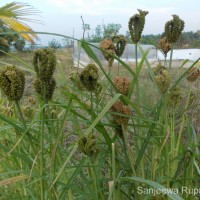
column 102, row 7
column 89, row 7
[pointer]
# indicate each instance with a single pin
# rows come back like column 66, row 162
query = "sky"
column 63, row 16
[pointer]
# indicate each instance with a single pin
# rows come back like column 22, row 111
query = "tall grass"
column 41, row 156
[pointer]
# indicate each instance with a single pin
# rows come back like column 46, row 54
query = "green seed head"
column 175, row 96
column 89, row 77
column 174, row 28
column 120, row 41
column 12, row 82
column 44, row 62
column 87, row 144
column 75, row 78
column 158, row 69
column 28, row 112
column 47, row 87
column 163, row 80
column 136, row 25
column 7, row 110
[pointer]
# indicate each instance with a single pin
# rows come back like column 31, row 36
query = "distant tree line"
column 102, row 31
column 187, row 39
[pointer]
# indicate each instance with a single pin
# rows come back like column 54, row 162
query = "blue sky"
column 62, row 16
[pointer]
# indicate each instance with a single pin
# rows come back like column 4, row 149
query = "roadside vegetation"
column 101, row 132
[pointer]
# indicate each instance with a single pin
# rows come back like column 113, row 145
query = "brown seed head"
column 164, row 45
column 108, row 45
column 122, row 84
column 119, row 108
column 193, row 74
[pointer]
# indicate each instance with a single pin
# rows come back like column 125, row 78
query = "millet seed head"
column 87, row 144
column 175, row 96
column 119, row 108
column 44, row 62
column 12, row 82
column 45, row 86
column 120, row 42
column 193, row 74
column 163, row 80
column 122, row 84
column 136, row 25
column 158, row 69
column 89, row 77
column 164, row 45
column 174, row 28
column 108, row 46
column 75, row 78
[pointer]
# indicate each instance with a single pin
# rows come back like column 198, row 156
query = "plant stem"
column 137, row 82
column 183, row 121
column 136, row 56
column 42, row 144
column 113, row 169
column 20, row 114
column 118, row 69
column 171, row 54
column 165, row 62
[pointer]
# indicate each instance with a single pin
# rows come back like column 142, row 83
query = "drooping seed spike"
column 89, row 77
column 12, row 82
column 118, row 108
column 122, row 84
column 120, row 41
column 45, row 86
column 136, row 25
column 108, row 46
column 44, row 62
column 174, row 28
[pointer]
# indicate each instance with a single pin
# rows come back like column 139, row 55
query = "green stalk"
column 165, row 62
column 91, row 176
column 42, row 145
column 136, row 70
column 130, row 157
column 118, row 68
column 20, row 114
column 113, row 170
column 183, row 121
column 171, row 54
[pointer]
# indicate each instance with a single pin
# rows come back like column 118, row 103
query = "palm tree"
column 13, row 16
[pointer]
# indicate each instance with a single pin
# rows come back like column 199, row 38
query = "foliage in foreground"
column 98, row 136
